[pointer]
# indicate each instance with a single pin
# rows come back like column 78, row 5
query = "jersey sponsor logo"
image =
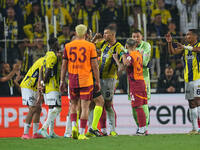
column 190, row 57
column 105, row 55
column 77, row 66
column 13, row 115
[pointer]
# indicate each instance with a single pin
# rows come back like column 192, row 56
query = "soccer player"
column 29, row 98
column 50, row 81
column 96, row 106
column 191, row 72
column 108, row 73
column 80, row 57
column 137, row 87
column 145, row 49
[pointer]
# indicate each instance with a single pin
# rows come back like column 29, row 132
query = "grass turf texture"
column 123, row 142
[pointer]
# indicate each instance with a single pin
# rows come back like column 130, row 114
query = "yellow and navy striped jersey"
column 27, row 61
column 127, row 6
column 3, row 3
column 31, row 78
column 166, row 15
column 107, row 65
column 155, row 52
column 62, row 17
column 45, row 5
column 90, row 18
column 191, row 64
column 51, row 61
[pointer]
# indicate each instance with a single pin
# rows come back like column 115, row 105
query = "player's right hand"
column 62, row 87
column 16, row 67
column 97, row 36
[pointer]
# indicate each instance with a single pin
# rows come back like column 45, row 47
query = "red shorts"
column 138, row 93
column 83, row 93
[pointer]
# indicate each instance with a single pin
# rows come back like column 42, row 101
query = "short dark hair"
column 130, row 42
column 137, row 31
column 194, row 31
column 111, row 28
column 52, row 41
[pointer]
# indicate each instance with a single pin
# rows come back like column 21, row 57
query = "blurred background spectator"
column 188, row 14
column 7, row 77
column 62, row 15
column 89, row 16
column 168, row 82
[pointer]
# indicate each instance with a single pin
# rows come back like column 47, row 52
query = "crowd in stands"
column 23, row 33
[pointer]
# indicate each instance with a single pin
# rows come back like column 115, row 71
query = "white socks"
column 35, row 127
column 90, row 118
column 111, row 118
column 52, row 114
column 51, row 127
column 82, row 130
column 68, row 128
column 26, row 128
column 194, row 118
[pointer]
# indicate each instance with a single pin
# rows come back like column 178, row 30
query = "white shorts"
column 29, row 97
column 107, row 88
column 52, row 98
column 192, row 89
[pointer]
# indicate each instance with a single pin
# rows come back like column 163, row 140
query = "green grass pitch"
column 122, row 142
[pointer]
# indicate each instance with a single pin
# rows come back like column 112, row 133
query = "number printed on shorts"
column 73, row 54
column 198, row 91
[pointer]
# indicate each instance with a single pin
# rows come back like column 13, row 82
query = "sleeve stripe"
column 93, row 57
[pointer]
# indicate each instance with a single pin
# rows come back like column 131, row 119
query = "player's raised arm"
column 171, row 49
column 11, row 74
column 190, row 48
column 96, row 37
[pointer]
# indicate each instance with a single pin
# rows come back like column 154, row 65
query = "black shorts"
column 95, row 93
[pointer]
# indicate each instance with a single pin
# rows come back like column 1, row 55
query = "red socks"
column 73, row 117
column 141, row 117
column 103, row 119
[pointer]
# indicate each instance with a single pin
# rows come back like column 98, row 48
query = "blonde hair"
column 81, row 30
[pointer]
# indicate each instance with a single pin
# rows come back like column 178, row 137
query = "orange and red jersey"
column 135, row 70
column 79, row 54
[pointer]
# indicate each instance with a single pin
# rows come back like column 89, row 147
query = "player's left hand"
column 97, row 87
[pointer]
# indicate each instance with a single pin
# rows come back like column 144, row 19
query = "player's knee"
column 192, row 104
column 58, row 109
column 99, row 101
column 37, row 109
column 108, row 104
column 92, row 105
column 32, row 109
column 197, row 101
